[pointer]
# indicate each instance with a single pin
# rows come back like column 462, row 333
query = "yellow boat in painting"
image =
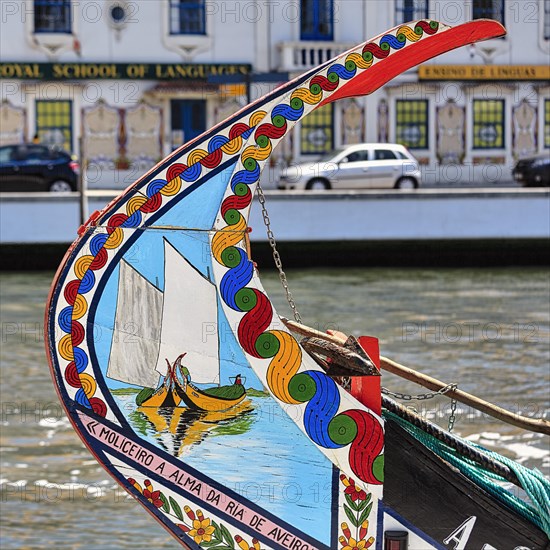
column 173, row 392
column 203, row 400
column 215, row 399
column 163, row 397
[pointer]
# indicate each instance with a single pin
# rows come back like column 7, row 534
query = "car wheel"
column 406, row 183
column 317, row 184
column 60, row 186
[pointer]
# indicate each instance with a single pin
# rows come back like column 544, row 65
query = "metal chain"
column 298, row 319
column 276, row 255
column 420, row 396
column 428, row 395
column 452, row 416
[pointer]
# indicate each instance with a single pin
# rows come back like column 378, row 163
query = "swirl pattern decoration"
column 322, row 423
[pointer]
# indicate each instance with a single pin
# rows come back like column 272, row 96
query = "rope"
column 533, row 482
column 464, row 449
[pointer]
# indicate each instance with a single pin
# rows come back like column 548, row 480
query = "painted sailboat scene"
column 170, row 404
column 186, row 385
column 175, row 320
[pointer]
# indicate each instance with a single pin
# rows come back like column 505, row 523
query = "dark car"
column 533, row 171
column 34, row 167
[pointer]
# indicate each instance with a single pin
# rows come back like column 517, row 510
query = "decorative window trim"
column 51, row 43
column 460, row 154
column 489, row 49
column 129, row 9
column 186, row 45
column 518, row 132
column 17, row 135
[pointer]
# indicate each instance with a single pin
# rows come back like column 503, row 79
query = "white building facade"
column 124, row 82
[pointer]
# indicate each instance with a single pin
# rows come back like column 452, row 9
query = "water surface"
column 487, row 330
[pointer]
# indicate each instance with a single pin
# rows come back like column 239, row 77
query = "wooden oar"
column 533, row 424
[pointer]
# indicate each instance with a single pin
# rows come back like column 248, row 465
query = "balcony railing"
column 295, row 56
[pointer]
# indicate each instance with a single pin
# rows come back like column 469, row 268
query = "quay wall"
column 420, row 227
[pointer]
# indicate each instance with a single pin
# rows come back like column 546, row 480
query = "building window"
column 52, row 16
column 488, row 9
column 54, row 125
column 317, row 132
column 411, row 123
column 488, row 124
column 187, row 17
column 546, row 20
column 410, row 10
column 316, row 20
column 547, row 123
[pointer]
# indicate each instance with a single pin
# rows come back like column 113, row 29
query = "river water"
column 487, row 330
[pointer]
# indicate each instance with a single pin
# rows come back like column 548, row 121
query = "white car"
column 363, row 166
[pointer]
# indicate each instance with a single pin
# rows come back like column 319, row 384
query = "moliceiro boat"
column 157, row 316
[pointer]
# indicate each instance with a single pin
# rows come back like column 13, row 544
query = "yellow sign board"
column 102, row 71
column 484, row 72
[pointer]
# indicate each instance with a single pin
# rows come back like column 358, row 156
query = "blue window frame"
column 316, row 20
column 52, row 16
column 488, row 9
column 410, row 10
column 187, row 17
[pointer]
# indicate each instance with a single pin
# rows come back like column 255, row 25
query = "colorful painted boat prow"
column 174, row 367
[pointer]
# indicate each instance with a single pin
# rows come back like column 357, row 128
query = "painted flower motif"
column 354, row 491
column 350, row 543
column 355, row 545
column 202, row 530
column 135, row 484
column 245, row 546
column 152, row 496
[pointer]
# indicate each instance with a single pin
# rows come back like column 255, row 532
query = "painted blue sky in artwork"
column 146, row 255
column 194, row 214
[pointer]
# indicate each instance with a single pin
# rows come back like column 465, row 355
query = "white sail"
column 135, row 344
column 189, row 319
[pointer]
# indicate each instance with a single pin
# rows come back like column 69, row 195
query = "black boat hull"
column 438, row 500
